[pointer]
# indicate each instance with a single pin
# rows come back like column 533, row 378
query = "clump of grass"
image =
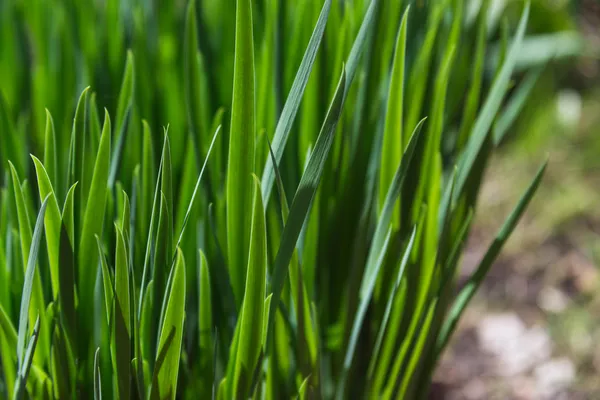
column 294, row 230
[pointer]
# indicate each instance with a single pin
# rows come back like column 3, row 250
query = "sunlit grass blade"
column 490, row 108
column 377, row 251
column 93, row 222
column 172, row 325
column 393, row 144
column 27, row 245
column 242, row 139
column 292, row 104
column 28, row 283
column 50, row 153
column 75, row 168
column 390, row 302
column 252, row 313
column 303, row 198
column 52, row 223
column 122, row 120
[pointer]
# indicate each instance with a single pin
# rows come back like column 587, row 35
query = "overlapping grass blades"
column 168, row 269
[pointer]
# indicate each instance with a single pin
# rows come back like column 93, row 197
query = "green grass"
column 274, row 206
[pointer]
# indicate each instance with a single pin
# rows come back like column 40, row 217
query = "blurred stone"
column 517, row 349
column 474, row 390
column 554, row 376
column 568, row 107
column 553, row 300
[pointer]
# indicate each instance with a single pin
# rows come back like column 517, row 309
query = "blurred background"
column 532, row 331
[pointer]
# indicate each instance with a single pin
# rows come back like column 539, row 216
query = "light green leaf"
column 165, row 386
column 93, row 221
column 303, row 198
column 242, row 139
column 52, row 223
column 252, row 314
column 50, row 154
column 28, row 285
column 123, row 115
column 393, row 145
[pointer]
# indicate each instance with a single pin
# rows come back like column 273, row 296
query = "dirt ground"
column 531, row 331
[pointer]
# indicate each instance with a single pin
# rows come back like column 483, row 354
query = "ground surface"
column 531, row 332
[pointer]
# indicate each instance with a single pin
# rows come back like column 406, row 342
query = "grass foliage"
column 247, row 200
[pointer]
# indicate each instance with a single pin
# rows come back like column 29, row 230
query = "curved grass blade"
column 52, row 223
column 76, row 168
column 68, row 214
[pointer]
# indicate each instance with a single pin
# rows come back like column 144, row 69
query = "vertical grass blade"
column 93, row 221
column 123, row 115
column 392, row 135
column 165, row 386
column 252, row 314
column 241, row 150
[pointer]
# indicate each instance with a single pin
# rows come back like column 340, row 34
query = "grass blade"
column 93, row 221
column 52, row 223
column 292, row 104
column 122, row 121
column 252, row 314
column 303, row 198
column 28, row 283
column 241, row 150
column 168, row 371
column 466, row 294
